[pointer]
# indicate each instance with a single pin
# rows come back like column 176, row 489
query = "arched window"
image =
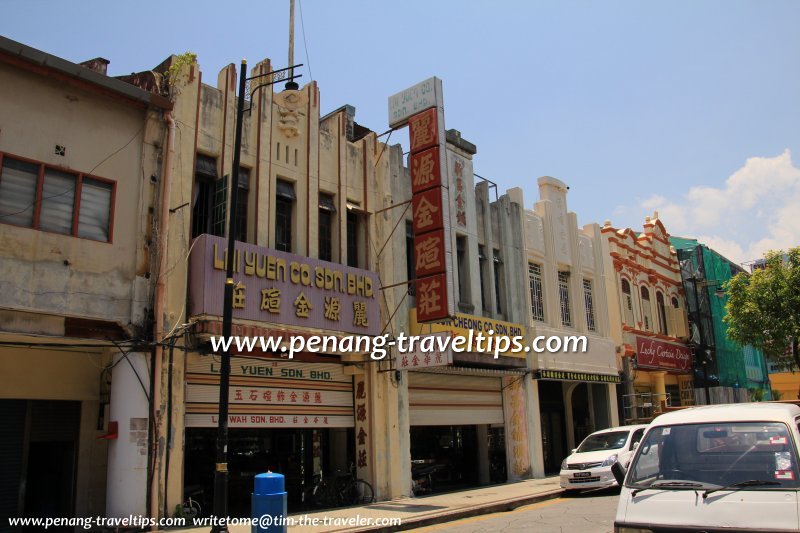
column 627, row 303
column 647, row 310
column 675, row 303
column 662, row 313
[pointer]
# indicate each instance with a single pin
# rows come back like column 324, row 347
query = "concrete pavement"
column 419, row 512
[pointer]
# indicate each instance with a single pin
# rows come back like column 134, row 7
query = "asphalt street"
column 591, row 512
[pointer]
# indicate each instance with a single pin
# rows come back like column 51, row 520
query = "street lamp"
column 221, row 467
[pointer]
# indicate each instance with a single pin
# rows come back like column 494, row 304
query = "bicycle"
column 343, row 489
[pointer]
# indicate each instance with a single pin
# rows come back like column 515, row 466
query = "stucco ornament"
column 289, row 104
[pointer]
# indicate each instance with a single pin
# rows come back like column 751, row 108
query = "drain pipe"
column 158, row 330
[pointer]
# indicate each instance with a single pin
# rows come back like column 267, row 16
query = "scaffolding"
column 719, row 362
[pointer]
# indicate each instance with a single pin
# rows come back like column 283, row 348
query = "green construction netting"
column 706, row 271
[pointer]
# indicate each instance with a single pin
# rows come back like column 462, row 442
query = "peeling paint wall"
column 64, row 275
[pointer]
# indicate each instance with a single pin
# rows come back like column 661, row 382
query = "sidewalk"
column 427, row 510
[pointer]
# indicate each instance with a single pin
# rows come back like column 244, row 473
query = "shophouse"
column 725, row 372
column 649, row 324
column 79, row 172
column 306, row 265
column 574, row 390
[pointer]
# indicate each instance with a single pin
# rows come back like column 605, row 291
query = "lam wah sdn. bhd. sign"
column 656, row 354
column 282, row 288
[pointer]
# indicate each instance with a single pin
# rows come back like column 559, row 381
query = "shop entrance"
column 298, row 454
column 554, row 436
column 38, row 455
column 446, row 458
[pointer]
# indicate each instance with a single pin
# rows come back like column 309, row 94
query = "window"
column 563, row 294
column 58, row 198
column 36, row 196
column 463, row 271
column 588, row 299
column 327, row 208
column 206, row 185
column 627, row 302
column 284, row 204
column 241, row 204
column 647, row 311
column 662, row 313
column 410, row 260
column 482, row 273
column 537, row 299
column 356, row 237
column 675, row 303
column 498, row 272
column 352, row 239
column 637, row 436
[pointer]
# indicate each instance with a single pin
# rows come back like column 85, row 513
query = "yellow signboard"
column 462, row 325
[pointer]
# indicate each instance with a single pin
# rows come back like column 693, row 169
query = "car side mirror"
column 574, row 450
column 619, row 472
column 635, row 445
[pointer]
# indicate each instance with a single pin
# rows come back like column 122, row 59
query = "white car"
column 589, row 465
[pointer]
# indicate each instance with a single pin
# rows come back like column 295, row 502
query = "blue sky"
column 688, row 108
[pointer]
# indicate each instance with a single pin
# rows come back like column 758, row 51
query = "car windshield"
column 756, row 455
column 611, row 440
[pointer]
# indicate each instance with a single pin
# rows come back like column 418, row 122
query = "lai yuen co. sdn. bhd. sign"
column 282, row 288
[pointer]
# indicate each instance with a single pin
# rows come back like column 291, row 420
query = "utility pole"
column 291, row 84
column 221, row 470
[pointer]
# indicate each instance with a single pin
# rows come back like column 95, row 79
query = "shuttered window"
column 18, row 191
column 95, row 214
column 58, row 201
column 40, row 197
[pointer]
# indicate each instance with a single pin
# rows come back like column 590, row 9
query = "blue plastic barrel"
column 268, row 504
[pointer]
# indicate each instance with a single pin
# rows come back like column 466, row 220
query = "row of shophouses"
column 113, row 202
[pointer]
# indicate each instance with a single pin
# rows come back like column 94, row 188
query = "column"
column 126, row 490
column 659, row 389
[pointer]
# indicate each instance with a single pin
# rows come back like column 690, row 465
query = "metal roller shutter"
column 452, row 400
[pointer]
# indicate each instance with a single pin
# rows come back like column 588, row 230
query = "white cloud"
column 757, row 209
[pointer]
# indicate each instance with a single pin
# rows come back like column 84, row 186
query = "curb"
column 466, row 512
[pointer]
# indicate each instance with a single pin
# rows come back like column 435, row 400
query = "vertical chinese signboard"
column 421, row 106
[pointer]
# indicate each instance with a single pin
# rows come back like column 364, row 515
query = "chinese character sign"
column 282, row 288
column 430, row 208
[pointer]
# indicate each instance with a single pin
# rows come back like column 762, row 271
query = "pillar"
column 126, row 488
column 483, row 453
column 659, row 389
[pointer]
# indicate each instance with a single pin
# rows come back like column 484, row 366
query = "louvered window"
column 95, row 214
column 37, row 196
column 18, row 191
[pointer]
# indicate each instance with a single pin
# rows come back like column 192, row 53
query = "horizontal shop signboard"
column 653, row 353
column 576, row 376
column 265, row 420
column 462, row 324
column 282, row 288
column 269, row 392
column 427, row 353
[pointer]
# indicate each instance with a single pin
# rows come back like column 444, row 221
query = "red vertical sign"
column 430, row 213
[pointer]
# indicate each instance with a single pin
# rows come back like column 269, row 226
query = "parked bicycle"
column 340, row 490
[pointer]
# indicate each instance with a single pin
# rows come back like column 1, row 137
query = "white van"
column 714, row 468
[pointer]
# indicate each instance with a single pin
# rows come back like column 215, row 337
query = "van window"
column 718, row 454
column 637, row 436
